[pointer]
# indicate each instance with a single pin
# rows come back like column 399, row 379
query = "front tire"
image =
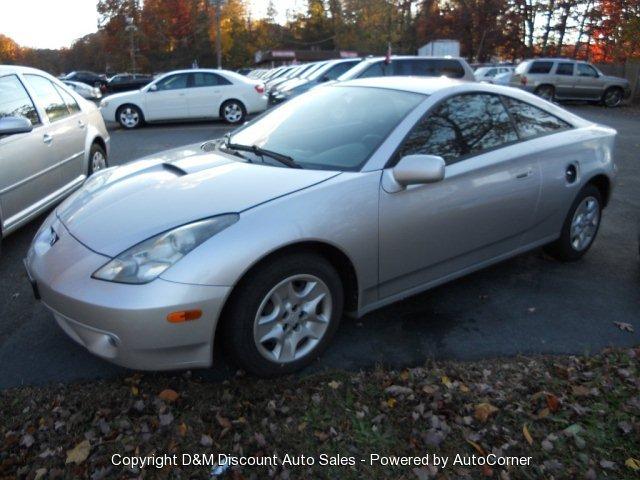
column 233, row 112
column 612, row 97
column 283, row 315
column 97, row 159
column 546, row 92
column 129, row 117
column 580, row 226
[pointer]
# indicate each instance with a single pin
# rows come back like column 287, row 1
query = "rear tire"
column 283, row 315
column 546, row 92
column 97, row 159
column 233, row 112
column 612, row 97
column 129, row 117
column 580, row 227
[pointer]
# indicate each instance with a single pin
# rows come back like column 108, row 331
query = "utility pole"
column 218, row 6
column 131, row 28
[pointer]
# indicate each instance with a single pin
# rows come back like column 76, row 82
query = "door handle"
column 526, row 174
column 46, row 138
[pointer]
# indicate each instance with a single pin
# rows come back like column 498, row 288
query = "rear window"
column 541, row 67
column 532, row 121
column 429, row 68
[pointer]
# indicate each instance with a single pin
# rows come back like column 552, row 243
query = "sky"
column 57, row 23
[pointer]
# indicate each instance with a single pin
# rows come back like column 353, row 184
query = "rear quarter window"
column 541, row 67
column 533, row 121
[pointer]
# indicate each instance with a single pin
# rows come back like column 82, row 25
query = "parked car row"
column 117, row 83
column 559, row 79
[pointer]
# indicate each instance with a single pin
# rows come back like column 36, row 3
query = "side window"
column 585, row 70
column 374, row 70
column 48, row 96
column 173, row 82
column 337, row 70
column 15, row 101
column 532, row 121
column 492, row 72
column 202, row 79
column 71, row 103
column 460, row 126
column 541, row 67
column 564, row 69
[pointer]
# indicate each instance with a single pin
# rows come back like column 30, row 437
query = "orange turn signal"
column 184, row 316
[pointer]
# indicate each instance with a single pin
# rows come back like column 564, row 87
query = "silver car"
column 51, row 140
column 347, row 198
column 565, row 79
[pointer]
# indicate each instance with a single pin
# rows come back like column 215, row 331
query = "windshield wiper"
column 262, row 152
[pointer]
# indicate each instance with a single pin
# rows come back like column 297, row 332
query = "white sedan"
column 187, row 94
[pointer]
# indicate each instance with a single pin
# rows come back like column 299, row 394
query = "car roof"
column 412, row 57
column 423, row 85
column 4, row 69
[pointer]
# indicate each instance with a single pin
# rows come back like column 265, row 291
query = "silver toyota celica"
column 345, row 199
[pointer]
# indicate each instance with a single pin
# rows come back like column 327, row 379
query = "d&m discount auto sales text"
column 299, row 460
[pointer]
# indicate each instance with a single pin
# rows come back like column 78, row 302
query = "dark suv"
column 564, row 79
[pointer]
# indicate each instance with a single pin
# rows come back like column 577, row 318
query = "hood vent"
column 174, row 168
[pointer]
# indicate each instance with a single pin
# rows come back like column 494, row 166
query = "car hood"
column 294, row 84
column 613, row 79
column 122, row 95
column 122, row 206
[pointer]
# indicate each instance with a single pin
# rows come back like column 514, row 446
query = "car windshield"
column 330, row 128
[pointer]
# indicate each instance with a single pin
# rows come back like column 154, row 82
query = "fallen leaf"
column 398, row 390
column 169, row 395
column 464, row 388
column 182, row 429
column 483, row 411
column 223, row 422
column 580, row 390
column 625, row 327
column 392, row 402
column 134, row 390
column 527, row 435
column 543, row 413
column 335, row 385
column 552, row 402
column 477, row 447
column 79, row 453
column 633, row 464
column 446, row 382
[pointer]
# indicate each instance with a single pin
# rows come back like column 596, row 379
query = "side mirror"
column 414, row 170
column 13, row 125
column 153, row 88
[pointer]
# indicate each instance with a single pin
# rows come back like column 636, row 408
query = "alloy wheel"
column 129, row 117
column 232, row 112
column 98, row 161
column 292, row 318
column 612, row 98
column 584, row 224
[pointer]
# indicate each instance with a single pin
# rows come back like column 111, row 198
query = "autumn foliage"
column 176, row 33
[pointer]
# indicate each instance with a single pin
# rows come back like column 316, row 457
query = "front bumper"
column 125, row 324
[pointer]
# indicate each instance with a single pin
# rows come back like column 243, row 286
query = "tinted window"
column 375, row 70
column 71, row 103
column 429, row 68
column 206, row 79
column 335, row 128
column 541, row 67
column 337, row 70
column 564, row 69
column 491, row 73
column 585, row 70
column 173, row 82
column 532, row 121
column 460, row 126
column 48, row 96
column 15, row 101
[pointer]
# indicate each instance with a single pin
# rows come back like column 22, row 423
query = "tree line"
column 169, row 34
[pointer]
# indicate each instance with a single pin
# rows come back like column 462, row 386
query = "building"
column 275, row 58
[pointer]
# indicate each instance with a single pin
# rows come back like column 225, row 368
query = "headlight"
column 149, row 259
